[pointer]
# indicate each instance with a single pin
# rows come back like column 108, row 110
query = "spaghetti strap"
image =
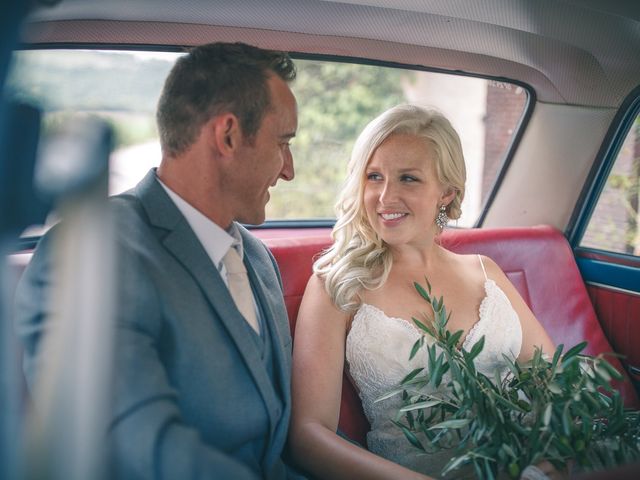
column 483, row 270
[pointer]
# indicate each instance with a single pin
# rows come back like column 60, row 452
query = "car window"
column 335, row 100
column 614, row 223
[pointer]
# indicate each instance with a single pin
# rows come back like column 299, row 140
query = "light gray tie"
column 239, row 287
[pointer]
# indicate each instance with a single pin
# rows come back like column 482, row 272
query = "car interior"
column 545, row 95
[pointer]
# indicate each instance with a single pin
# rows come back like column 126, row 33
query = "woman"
column 406, row 178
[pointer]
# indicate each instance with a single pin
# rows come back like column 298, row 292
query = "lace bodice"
column 377, row 353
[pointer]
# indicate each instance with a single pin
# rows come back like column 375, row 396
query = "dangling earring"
column 442, row 219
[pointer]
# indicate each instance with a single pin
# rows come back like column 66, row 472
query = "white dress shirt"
column 215, row 240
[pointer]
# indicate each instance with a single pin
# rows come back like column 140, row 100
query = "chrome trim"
column 614, row 289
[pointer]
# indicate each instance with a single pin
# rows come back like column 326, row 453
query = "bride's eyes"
column 408, row 178
column 404, row 178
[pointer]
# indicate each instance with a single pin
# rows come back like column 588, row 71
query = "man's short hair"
column 213, row 79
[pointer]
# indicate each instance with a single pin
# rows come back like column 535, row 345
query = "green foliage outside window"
column 614, row 225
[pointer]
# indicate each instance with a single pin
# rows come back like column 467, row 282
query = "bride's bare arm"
column 318, row 361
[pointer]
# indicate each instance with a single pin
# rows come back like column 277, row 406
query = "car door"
column 606, row 236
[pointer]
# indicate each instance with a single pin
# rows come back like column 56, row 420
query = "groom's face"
column 266, row 158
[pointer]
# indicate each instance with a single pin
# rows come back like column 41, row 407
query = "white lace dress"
column 377, row 353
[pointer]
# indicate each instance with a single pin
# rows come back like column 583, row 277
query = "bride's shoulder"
column 316, row 287
column 470, row 259
column 464, row 260
column 473, row 265
column 315, row 281
column 317, row 295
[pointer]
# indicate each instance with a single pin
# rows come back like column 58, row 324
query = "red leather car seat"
column 538, row 261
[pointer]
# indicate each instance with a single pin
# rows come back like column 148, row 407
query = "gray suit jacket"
column 192, row 396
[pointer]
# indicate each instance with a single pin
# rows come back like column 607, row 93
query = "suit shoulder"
column 126, row 206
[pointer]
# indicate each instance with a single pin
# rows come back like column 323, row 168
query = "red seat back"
column 538, row 261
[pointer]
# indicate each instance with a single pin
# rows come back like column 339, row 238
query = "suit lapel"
column 182, row 243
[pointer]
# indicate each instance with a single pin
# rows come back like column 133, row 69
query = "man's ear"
column 226, row 134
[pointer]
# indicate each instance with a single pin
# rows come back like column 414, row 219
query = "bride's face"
column 402, row 193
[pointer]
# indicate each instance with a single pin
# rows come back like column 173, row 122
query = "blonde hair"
column 358, row 258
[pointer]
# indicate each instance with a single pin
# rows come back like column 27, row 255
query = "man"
column 202, row 390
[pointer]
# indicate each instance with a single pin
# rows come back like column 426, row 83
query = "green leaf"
column 416, row 382
column 432, row 357
column 476, row 349
column 421, row 405
column 411, row 375
column 509, row 450
column 455, row 463
column 423, row 293
column 555, row 388
column 416, row 346
column 556, row 356
column 437, row 304
column 574, row 351
column 428, row 284
column 436, row 374
column 507, row 403
column 422, row 326
column 390, row 394
column 602, row 373
column 455, row 338
column 489, row 475
column 413, row 440
column 455, row 423
column 510, row 364
column 613, row 371
column 566, row 421
column 410, row 420
column 546, row 417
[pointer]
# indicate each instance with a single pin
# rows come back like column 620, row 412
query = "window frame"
column 597, row 178
column 602, row 268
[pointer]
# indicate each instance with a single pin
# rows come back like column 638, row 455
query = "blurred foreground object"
column 66, row 428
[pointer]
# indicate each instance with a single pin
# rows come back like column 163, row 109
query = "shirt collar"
column 215, row 240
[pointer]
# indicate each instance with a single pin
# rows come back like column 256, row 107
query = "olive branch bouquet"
column 562, row 410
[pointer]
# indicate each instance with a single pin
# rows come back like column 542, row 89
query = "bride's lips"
column 392, row 218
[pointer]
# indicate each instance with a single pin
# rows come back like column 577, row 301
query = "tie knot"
column 233, row 262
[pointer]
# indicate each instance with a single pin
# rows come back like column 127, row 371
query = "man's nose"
column 287, row 173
